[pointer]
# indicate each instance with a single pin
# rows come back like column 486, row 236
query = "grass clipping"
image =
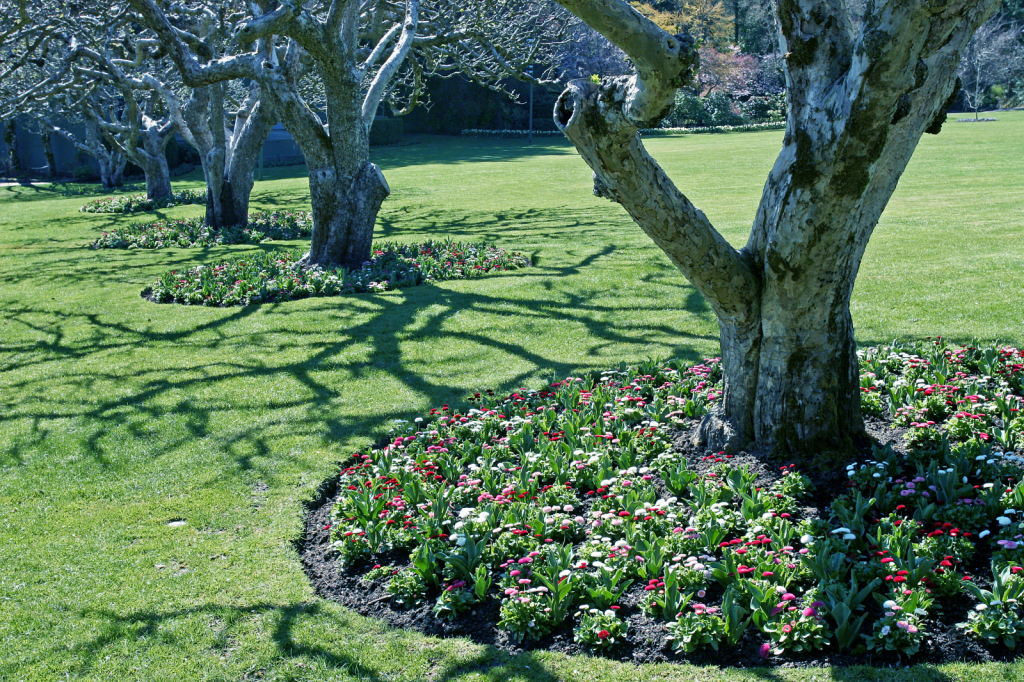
column 274, row 277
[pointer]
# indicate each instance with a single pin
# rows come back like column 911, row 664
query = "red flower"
column 604, row 634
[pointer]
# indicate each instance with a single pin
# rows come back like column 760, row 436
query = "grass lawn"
column 118, row 416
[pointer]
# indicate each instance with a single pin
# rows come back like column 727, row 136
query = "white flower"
column 563, row 574
column 1003, row 521
column 849, row 536
column 610, row 613
column 980, row 607
column 464, row 514
column 840, row 530
column 885, row 631
column 984, row 533
column 888, row 605
column 806, row 539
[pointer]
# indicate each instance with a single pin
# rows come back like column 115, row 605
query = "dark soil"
column 646, row 642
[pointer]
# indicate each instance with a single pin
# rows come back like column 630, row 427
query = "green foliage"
column 387, row 131
column 262, row 227
column 138, row 202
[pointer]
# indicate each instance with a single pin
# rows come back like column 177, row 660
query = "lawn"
column 119, row 416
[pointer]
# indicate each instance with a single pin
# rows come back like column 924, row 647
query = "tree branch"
column 380, row 82
column 625, row 173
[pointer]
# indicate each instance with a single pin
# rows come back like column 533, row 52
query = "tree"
column 88, row 112
column 356, row 55
column 44, row 69
column 858, row 103
column 993, row 56
column 71, row 49
column 706, row 20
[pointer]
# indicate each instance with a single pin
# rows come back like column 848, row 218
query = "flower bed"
column 262, row 227
column 272, row 277
column 576, row 517
column 747, row 127
column 134, row 203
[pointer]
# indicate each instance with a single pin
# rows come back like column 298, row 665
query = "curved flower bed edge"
column 570, row 510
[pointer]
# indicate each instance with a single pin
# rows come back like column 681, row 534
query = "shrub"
column 386, row 131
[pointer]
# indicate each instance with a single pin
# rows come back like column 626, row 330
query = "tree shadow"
column 289, row 638
column 75, row 340
column 447, row 150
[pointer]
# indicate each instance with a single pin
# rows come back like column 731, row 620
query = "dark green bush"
column 386, row 131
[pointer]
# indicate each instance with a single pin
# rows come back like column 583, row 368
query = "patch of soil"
column 646, row 643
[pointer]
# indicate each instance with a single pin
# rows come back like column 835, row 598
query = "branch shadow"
column 288, row 640
column 76, row 339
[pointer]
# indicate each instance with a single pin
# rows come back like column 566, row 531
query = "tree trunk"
column 152, row 159
column 112, row 167
column 13, row 160
column 857, row 109
column 158, row 177
column 344, row 215
column 51, row 164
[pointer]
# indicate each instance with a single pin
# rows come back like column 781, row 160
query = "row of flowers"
column 749, row 127
column 570, row 507
column 262, row 227
column 480, row 132
column 135, row 203
column 273, row 277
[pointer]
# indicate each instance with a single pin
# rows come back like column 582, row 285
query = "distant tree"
column 75, row 46
column 706, row 20
column 994, row 56
column 349, row 56
column 729, row 71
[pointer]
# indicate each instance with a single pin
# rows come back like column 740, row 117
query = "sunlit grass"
column 118, row 415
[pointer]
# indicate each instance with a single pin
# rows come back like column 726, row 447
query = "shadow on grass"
column 229, row 350
column 285, row 623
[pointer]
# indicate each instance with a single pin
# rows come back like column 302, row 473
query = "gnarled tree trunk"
column 858, row 105
column 344, row 213
column 152, row 159
column 228, row 156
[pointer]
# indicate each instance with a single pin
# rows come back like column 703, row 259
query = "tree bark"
column 112, row 167
column 152, row 159
column 344, row 214
column 47, row 142
column 13, row 160
column 858, row 106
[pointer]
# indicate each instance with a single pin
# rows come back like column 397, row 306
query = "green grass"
column 118, row 415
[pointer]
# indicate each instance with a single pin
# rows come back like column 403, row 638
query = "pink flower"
column 766, row 649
